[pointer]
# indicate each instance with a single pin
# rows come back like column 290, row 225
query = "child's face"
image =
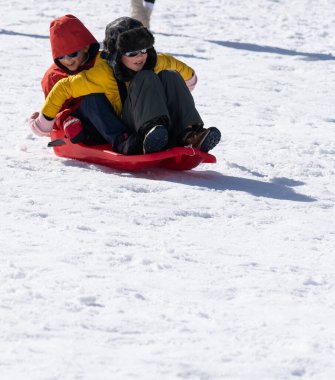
column 135, row 63
column 74, row 60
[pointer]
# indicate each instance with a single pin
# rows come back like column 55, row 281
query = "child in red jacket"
column 90, row 119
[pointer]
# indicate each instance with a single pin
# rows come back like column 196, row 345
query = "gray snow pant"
column 151, row 96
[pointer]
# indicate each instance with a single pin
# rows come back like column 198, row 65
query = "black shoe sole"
column 211, row 139
column 155, row 140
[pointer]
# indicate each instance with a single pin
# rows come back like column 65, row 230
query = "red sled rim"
column 178, row 158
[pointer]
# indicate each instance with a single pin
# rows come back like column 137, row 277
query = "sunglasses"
column 72, row 55
column 136, row 52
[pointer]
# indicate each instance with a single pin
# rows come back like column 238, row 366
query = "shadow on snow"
column 10, row 33
column 273, row 50
column 228, row 44
column 279, row 188
column 262, row 48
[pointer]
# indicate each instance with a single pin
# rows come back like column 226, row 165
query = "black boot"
column 155, row 135
column 129, row 145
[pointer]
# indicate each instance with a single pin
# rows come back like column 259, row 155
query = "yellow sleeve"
column 167, row 62
column 74, row 86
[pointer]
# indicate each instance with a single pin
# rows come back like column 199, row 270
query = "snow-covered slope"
column 223, row 272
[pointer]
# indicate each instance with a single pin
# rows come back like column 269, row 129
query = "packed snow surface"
column 222, row 272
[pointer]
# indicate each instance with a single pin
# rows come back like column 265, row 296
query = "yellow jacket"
column 100, row 79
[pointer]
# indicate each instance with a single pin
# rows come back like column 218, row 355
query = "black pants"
column 99, row 120
column 151, row 96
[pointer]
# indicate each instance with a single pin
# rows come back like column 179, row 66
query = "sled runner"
column 178, row 158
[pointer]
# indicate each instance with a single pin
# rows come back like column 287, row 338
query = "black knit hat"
column 127, row 34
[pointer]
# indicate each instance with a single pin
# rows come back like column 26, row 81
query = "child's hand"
column 40, row 125
column 192, row 82
column 74, row 129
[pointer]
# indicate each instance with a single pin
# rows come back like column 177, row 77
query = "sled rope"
column 191, row 147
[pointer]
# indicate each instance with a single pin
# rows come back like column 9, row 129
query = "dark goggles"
column 72, row 55
column 135, row 52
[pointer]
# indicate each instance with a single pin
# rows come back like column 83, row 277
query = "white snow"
column 222, row 272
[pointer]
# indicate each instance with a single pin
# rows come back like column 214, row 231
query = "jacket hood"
column 127, row 34
column 67, row 35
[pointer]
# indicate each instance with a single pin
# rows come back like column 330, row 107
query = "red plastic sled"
column 179, row 158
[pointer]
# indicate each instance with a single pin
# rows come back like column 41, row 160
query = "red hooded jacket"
column 68, row 34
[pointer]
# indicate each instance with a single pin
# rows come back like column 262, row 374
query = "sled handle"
column 56, row 142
